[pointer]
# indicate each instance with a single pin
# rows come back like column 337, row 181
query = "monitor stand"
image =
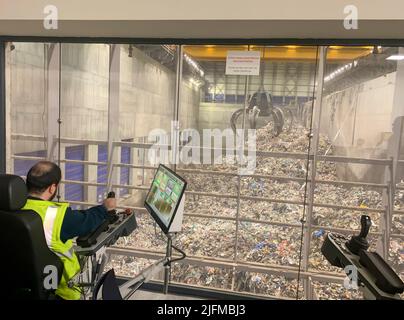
column 175, row 227
column 167, row 266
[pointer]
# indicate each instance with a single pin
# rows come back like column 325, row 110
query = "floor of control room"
column 149, row 295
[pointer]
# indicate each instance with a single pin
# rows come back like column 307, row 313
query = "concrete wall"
column 27, row 95
column 147, row 97
column 146, row 94
column 359, row 116
column 189, row 114
column 84, row 91
column 358, row 122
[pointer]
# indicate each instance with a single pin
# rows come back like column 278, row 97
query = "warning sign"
column 245, row 63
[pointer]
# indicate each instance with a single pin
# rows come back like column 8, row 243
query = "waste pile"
column 260, row 237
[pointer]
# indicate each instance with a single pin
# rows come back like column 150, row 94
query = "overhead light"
column 377, row 49
column 194, row 65
column 340, row 70
column 194, row 82
column 130, row 51
column 396, row 57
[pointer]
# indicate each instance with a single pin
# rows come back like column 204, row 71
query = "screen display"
column 164, row 196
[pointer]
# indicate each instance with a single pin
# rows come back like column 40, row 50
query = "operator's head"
column 43, row 180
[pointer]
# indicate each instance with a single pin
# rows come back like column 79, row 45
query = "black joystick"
column 112, row 216
column 358, row 243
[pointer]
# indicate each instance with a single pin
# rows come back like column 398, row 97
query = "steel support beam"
column 279, row 270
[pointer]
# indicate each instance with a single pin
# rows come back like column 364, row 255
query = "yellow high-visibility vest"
column 52, row 215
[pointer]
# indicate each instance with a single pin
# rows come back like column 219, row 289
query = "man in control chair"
column 61, row 223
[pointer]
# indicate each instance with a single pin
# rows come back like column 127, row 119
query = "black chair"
column 108, row 284
column 25, row 254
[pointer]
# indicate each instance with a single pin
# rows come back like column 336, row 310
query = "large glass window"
column 27, row 108
column 323, row 158
column 84, row 120
column 360, row 133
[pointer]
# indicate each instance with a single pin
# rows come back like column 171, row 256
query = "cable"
column 184, row 255
column 302, row 220
column 78, row 287
column 174, row 260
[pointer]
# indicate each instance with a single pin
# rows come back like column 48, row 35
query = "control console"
column 118, row 224
column 375, row 277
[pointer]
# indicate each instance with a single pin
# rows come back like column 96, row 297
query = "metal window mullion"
column 113, row 113
column 246, row 88
column 225, row 89
column 389, row 195
column 6, row 88
column 53, row 99
column 62, row 155
column 90, row 171
column 313, row 151
column 177, row 105
column 3, row 123
column 274, row 77
column 391, row 191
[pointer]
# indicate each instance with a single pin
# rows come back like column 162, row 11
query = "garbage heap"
column 260, row 238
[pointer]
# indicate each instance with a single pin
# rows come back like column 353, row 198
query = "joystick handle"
column 359, row 242
column 366, row 223
column 112, row 213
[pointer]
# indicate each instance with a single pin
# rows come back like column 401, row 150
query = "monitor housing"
column 162, row 194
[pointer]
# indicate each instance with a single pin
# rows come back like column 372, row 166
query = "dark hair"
column 42, row 175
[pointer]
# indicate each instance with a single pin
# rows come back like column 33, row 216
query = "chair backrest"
column 110, row 289
column 26, row 259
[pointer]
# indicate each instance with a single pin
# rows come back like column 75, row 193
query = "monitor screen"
column 164, row 196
